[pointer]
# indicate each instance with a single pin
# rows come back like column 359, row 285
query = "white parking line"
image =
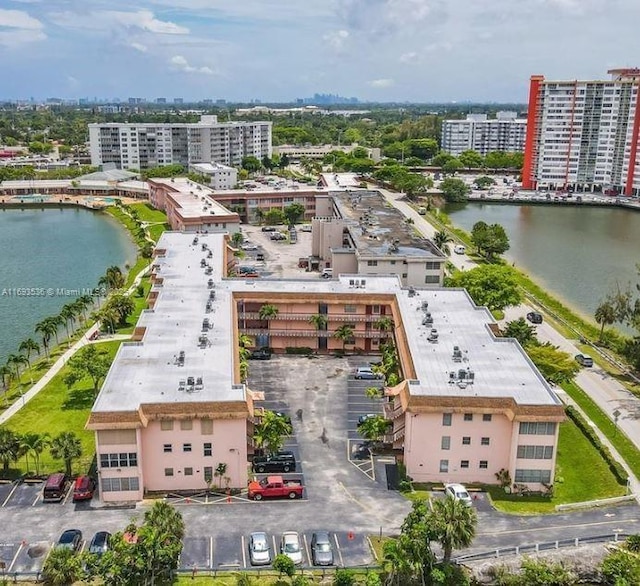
column 35, row 502
column 15, row 557
column 244, row 553
column 275, row 549
column 66, row 496
column 335, row 538
column 15, row 486
column 82, row 546
column 306, row 549
column 211, row 552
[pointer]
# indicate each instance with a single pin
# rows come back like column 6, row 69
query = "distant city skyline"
column 421, row 51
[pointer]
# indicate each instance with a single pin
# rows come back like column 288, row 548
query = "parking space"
column 30, row 557
column 228, row 552
column 359, row 404
column 6, row 488
column 25, row 494
column 197, row 553
column 352, row 549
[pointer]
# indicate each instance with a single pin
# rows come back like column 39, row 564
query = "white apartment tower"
column 506, row 132
column 141, row 146
column 583, row 135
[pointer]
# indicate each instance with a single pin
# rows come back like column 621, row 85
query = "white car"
column 290, row 546
column 458, row 492
column 249, row 246
column 459, row 249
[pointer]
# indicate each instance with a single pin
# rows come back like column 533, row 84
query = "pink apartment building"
column 173, row 407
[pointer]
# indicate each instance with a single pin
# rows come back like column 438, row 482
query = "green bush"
column 616, row 469
column 303, row 350
column 633, row 543
column 344, row 578
column 621, row 568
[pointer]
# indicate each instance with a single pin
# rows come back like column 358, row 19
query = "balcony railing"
column 392, row 410
column 309, row 333
column 347, row 317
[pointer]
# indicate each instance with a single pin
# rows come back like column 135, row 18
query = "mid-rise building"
column 584, row 135
column 173, row 406
column 220, row 176
column 145, row 145
column 506, row 132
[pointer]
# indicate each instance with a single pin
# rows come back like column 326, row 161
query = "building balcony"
column 307, row 333
column 347, row 317
column 392, row 410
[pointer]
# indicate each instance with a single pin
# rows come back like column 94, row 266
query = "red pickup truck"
column 273, row 487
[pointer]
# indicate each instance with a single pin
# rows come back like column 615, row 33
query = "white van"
column 422, row 211
column 459, row 249
column 326, row 273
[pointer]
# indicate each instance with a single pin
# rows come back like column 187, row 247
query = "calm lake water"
column 50, row 249
column 579, row 254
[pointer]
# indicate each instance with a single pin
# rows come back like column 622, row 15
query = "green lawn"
column 55, row 409
column 157, row 230
column 140, row 304
column 620, row 441
column 581, row 475
column 147, row 213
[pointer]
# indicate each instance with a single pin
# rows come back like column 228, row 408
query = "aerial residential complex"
column 141, row 146
column 583, row 135
column 506, row 132
column 173, row 405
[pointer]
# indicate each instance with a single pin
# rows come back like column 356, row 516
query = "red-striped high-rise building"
column 584, row 135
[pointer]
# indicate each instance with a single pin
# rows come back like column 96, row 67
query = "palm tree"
column 62, row 567
column 237, row 239
column 441, row 239
column 15, row 361
column 67, row 447
column 605, row 315
column 396, row 563
column 68, row 314
column 34, row 444
column 455, row 523
column 29, row 345
column 9, row 447
column 384, row 324
column 84, row 302
column 320, row 321
column 46, row 328
column 123, row 306
column 5, row 374
column 113, row 278
column 268, row 311
column 163, row 517
column 345, row 334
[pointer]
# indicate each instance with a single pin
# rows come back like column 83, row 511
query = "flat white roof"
column 150, row 371
column 195, row 200
column 211, row 167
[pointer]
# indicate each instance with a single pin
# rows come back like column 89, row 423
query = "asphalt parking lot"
column 232, row 552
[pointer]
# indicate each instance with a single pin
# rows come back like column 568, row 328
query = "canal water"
column 46, row 255
column 579, row 254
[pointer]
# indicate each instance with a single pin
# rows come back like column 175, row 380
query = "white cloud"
column 19, row 19
column 139, row 47
column 181, row 64
column 146, row 21
column 409, row 57
column 381, row 83
column 337, row 39
column 18, row 28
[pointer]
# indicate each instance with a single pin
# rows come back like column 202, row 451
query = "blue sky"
column 277, row 50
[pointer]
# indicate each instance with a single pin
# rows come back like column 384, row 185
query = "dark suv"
column 534, row 317
column 279, row 462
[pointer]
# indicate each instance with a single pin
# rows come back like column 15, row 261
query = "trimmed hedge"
column 304, row 350
column 616, row 469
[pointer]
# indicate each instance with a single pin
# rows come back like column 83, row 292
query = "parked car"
column 366, row 373
column 290, row 546
column 55, row 487
column 259, row 551
column 584, row 360
column 83, row 488
column 70, row 539
column 326, row 273
column 274, row 487
column 458, row 492
column 305, row 228
column 268, row 229
column 249, row 246
column 278, row 462
column 321, row 549
column 100, row 543
column 459, row 249
column 260, row 354
column 534, row 317
column 278, row 236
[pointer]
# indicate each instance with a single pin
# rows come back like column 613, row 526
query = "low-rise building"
column 173, row 406
column 219, row 176
column 357, row 232
column 190, row 207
